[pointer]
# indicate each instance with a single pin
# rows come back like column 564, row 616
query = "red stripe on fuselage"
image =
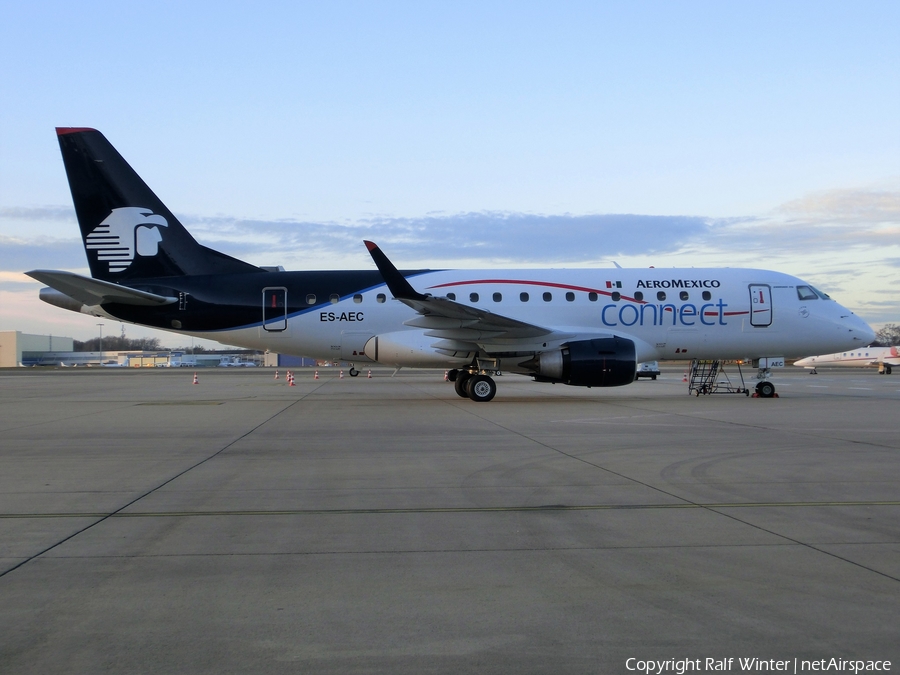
column 549, row 284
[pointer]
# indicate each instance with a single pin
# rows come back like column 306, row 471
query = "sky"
column 467, row 134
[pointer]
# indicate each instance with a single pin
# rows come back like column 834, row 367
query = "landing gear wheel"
column 887, row 371
column 765, row 389
column 452, row 375
column 461, row 384
column 481, row 388
column 353, row 371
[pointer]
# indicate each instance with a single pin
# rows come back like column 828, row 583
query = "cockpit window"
column 806, row 293
column 822, row 295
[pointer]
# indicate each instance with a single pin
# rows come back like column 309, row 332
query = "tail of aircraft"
column 128, row 232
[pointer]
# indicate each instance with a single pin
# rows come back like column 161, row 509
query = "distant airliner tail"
column 128, row 232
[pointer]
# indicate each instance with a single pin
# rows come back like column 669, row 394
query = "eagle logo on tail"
column 124, row 233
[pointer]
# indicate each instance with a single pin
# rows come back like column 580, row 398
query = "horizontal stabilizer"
column 96, row 292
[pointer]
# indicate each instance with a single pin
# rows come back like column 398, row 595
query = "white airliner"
column 884, row 358
column 579, row 327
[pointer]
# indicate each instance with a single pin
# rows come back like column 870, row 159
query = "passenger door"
column 760, row 305
column 274, row 309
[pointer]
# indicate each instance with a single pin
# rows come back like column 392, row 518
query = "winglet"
column 396, row 282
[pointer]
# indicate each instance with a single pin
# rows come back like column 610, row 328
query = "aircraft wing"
column 96, row 292
column 448, row 319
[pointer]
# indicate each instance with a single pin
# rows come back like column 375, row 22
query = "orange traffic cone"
column 341, row 376
column 316, row 376
column 196, row 381
column 369, row 376
column 446, row 376
column 684, row 377
column 276, row 374
column 291, row 381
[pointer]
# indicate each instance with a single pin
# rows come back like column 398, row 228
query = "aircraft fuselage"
column 670, row 314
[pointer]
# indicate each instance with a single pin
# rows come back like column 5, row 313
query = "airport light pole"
column 101, row 342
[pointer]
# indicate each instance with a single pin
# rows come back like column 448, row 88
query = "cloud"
column 435, row 240
column 496, row 237
column 44, row 213
column 847, row 242
column 20, row 254
column 15, row 278
column 824, row 222
column 845, row 207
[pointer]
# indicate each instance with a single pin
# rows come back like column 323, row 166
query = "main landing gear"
column 478, row 387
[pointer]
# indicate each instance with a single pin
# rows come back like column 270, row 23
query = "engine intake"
column 601, row 362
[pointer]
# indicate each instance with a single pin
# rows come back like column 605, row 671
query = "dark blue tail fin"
column 128, row 232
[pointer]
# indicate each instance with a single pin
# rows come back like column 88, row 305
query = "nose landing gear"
column 765, row 389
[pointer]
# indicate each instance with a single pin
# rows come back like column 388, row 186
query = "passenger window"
column 310, row 299
column 380, row 297
column 683, row 295
column 473, row 297
column 548, row 297
column 806, row 293
column 451, row 296
column 660, row 295
column 523, row 297
column 570, row 297
column 592, row 296
column 639, row 296
column 498, row 297
column 707, row 295
column 616, row 296
column 334, row 298
column 357, row 298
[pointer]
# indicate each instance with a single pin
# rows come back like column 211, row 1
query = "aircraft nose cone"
column 861, row 330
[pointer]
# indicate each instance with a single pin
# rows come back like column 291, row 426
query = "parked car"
column 647, row 369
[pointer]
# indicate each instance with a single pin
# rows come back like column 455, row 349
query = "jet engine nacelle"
column 601, row 362
column 413, row 349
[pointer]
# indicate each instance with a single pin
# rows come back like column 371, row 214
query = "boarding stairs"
column 709, row 377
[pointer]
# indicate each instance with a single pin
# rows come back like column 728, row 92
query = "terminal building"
column 19, row 349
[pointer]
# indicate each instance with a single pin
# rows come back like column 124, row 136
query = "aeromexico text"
column 678, row 283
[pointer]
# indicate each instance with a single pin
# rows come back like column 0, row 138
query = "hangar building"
column 18, row 348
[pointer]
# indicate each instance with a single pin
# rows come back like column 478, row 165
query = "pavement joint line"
column 66, row 419
column 453, row 551
column 450, row 509
column 105, row 517
column 685, row 499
